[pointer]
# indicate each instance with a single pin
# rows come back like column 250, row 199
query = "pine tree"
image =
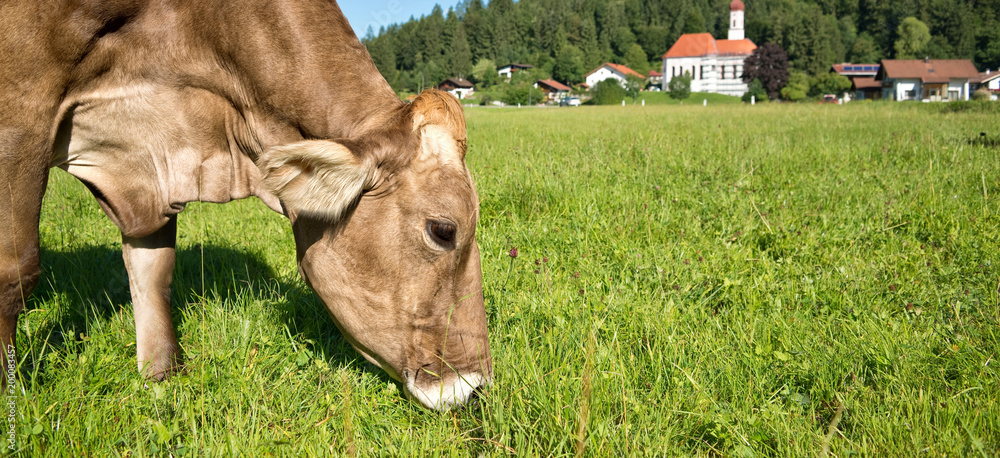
column 460, row 63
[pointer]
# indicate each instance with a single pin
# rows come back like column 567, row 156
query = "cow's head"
column 385, row 229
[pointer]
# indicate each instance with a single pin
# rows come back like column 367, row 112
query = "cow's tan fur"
column 156, row 103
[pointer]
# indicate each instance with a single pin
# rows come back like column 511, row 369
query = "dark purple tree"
column 769, row 64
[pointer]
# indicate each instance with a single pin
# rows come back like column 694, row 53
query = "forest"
column 565, row 39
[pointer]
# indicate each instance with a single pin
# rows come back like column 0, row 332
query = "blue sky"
column 377, row 13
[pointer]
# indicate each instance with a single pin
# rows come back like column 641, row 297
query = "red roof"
column 735, row 47
column 736, row 5
column 929, row 71
column 617, row 68
column 555, row 85
column 986, row 76
column 654, row 73
column 702, row 44
column 865, row 83
column 692, row 45
column 456, row 83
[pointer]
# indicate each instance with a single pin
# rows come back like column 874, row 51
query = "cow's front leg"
column 20, row 204
column 150, row 264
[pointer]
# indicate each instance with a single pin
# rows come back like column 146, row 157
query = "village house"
column 862, row 78
column 609, row 70
column 553, row 90
column 714, row 65
column 508, row 70
column 655, row 79
column 990, row 80
column 931, row 80
column 458, row 87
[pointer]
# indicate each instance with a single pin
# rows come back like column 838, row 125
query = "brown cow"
column 156, row 103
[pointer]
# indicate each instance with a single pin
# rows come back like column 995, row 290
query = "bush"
column 755, row 89
column 829, row 83
column 608, row 92
column 981, row 94
column 522, row 94
column 680, row 86
column 633, row 85
column 797, row 87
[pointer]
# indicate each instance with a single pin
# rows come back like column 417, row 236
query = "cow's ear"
column 319, row 177
column 437, row 108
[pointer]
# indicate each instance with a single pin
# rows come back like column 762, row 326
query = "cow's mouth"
column 444, row 395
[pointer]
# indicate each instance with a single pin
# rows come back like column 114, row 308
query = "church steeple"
column 736, row 20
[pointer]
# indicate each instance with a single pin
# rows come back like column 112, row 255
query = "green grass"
column 744, row 272
column 696, row 98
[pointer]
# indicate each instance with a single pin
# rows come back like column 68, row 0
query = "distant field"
column 721, row 280
column 657, row 98
column 696, row 98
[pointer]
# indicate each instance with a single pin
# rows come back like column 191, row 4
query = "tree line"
column 565, row 39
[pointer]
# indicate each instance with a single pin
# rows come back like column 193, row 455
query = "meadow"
column 785, row 280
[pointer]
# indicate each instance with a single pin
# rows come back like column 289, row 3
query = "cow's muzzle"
column 446, row 394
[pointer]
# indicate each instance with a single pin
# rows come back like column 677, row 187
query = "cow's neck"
column 303, row 64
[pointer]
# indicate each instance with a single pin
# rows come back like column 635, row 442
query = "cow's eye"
column 442, row 232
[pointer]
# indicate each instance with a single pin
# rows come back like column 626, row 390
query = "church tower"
column 736, row 20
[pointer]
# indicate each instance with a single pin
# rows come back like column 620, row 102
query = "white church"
column 714, row 65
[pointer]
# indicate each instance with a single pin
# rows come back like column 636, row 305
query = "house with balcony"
column 458, row 87
column 507, row 71
column 554, row 90
column 930, row 80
